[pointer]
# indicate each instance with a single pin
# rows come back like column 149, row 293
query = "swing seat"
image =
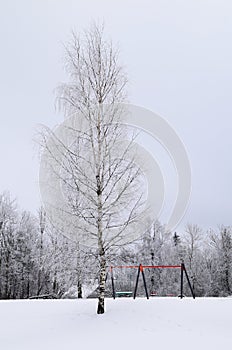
column 153, row 294
column 124, row 294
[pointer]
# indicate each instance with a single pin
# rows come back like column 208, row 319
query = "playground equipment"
column 141, row 269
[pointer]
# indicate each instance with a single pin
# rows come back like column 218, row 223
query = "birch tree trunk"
column 102, row 279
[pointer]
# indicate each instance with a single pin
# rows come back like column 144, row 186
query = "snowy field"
column 158, row 323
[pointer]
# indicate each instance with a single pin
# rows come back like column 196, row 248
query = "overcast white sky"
column 178, row 54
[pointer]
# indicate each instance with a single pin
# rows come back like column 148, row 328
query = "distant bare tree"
column 222, row 244
column 192, row 240
column 192, row 245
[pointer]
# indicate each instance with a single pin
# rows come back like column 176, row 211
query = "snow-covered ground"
column 158, row 323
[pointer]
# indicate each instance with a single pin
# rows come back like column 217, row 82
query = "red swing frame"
column 141, row 270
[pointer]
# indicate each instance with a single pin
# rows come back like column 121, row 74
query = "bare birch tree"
column 98, row 171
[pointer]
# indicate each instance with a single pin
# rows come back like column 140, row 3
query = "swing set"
column 140, row 268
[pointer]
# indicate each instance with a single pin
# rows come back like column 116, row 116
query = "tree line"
column 36, row 260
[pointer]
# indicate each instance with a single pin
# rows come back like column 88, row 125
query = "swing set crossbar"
column 146, row 267
column 161, row 266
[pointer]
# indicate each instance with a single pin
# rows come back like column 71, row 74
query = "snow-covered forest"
column 37, row 260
